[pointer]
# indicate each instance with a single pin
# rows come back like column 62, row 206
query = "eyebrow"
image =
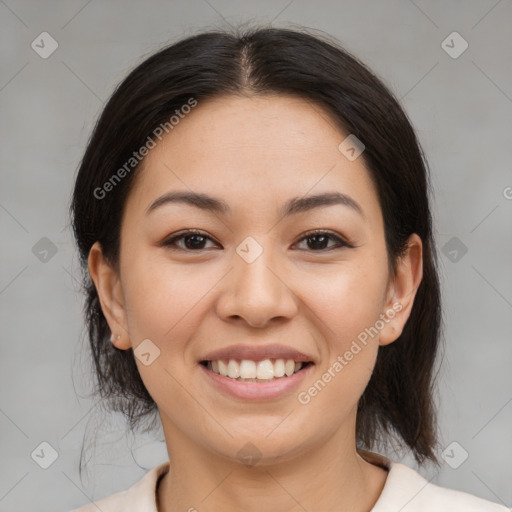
column 292, row 207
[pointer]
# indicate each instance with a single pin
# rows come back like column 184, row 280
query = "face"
column 254, row 281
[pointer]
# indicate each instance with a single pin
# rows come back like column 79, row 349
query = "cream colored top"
column 405, row 490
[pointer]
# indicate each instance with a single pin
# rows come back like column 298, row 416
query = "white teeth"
column 233, row 369
column 223, row 368
column 246, row 369
column 289, row 367
column 279, row 368
column 265, row 369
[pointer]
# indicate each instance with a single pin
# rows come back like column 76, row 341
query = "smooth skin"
column 255, row 153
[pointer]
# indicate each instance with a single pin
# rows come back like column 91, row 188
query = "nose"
column 256, row 292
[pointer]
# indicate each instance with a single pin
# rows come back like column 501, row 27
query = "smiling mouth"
column 247, row 370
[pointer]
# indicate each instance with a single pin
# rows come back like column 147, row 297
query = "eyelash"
column 310, row 234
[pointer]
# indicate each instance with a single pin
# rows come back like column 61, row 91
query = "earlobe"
column 402, row 290
column 108, row 286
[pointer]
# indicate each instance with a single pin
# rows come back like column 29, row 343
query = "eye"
column 320, row 239
column 194, row 240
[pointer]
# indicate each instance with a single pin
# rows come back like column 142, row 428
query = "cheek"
column 346, row 305
column 163, row 304
column 347, row 300
column 162, row 299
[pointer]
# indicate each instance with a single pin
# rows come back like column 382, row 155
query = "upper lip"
column 256, row 353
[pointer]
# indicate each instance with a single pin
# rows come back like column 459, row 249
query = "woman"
column 252, row 214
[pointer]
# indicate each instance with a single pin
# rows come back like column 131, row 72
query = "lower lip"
column 254, row 391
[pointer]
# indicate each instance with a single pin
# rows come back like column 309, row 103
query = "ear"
column 110, row 293
column 402, row 290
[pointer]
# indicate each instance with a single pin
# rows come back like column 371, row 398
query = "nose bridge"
column 255, row 278
column 256, row 291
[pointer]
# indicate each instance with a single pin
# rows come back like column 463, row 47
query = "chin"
column 264, row 449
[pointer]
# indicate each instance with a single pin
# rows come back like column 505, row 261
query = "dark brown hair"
column 398, row 400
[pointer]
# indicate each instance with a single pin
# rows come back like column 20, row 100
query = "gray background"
column 461, row 108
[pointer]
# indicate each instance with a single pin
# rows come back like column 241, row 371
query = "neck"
column 324, row 478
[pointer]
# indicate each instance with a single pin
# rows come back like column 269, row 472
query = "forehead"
column 269, row 124
column 261, row 149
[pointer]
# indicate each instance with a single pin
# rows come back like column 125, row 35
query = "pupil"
column 194, row 245
column 320, row 245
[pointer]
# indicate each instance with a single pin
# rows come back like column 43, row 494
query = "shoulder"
column 406, row 490
column 140, row 496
